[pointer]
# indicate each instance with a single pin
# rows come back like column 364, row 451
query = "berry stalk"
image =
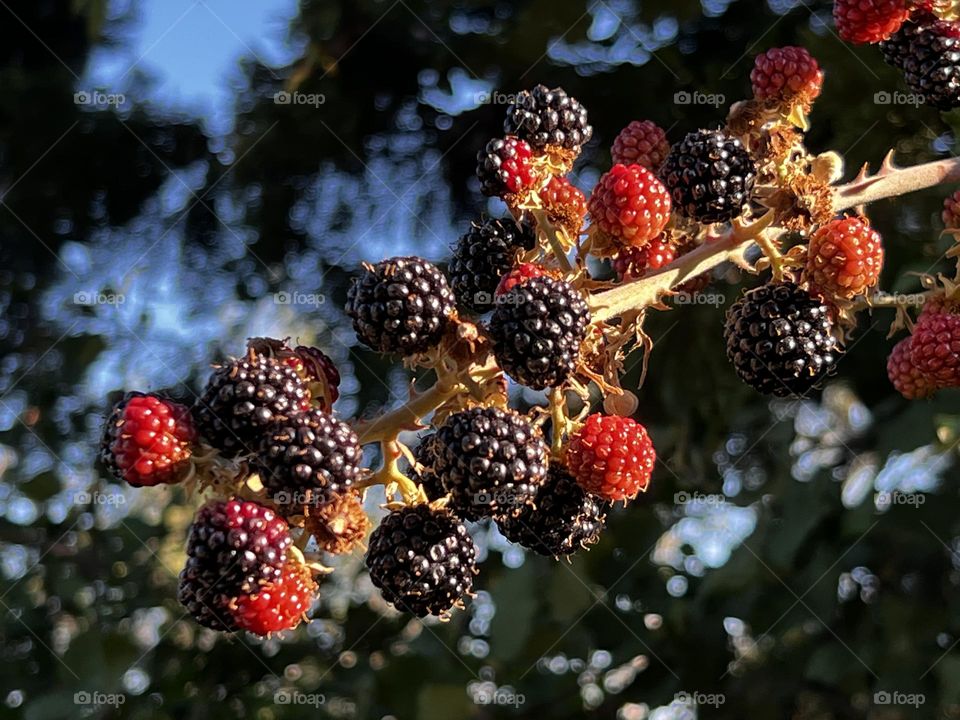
column 892, row 181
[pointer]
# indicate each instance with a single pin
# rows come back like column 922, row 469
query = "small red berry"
column 869, row 21
column 276, row 606
column 786, row 74
column 148, row 440
column 565, row 204
column 630, row 205
column 905, row 376
column 951, row 212
column 632, row 263
column 611, row 456
column 844, row 258
column 642, row 142
column 935, row 347
column 519, row 274
column 504, row 167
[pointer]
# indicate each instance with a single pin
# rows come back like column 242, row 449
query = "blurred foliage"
column 787, row 590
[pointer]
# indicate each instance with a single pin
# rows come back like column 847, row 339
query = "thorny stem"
column 891, row 182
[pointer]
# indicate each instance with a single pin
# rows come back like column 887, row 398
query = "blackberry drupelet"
column 307, row 458
column 234, row 548
column 490, row 461
column 546, row 117
column 423, row 560
column 401, row 305
column 245, row 396
column 564, row 520
column 482, row 256
column 537, row 328
column 927, row 50
column 710, row 176
column 780, row 339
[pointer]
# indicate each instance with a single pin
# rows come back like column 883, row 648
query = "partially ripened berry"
column 490, row 461
column 710, row 176
column 311, row 364
column 537, row 328
column 243, row 397
column 423, row 560
column 642, row 142
column 780, row 339
column 785, row 75
column 544, row 117
column 927, row 50
column 869, row 21
column 520, row 274
column 632, row 263
column 235, row 547
column 278, row 606
column 611, row 457
column 564, row 204
column 564, row 519
column 844, row 258
column 401, row 305
column 504, row 168
column 951, row 212
column 935, row 347
column 307, row 459
column 482, row 256
column 340, row 525
column 905, row 375
column 147, row 440
column 630, row 205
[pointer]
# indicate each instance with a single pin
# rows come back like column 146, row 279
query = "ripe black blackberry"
column 423, row 560
column 400, row 305
column 426, row 454
column 927, row 51
column 482, row 256
column 537, row 328
column 564, row 520
column 780, row 339
column 545, row 117
column 710, row 176
column 307, row 458
column 490, row 461
column 243, row 397
column 234, row 547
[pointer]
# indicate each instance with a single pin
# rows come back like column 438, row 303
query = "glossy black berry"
column 927, row 51
column 545, row 117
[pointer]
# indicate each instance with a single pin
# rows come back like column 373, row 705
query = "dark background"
column 786, row 590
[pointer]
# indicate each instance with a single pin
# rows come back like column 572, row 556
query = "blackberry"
column 504, row 168
column 564, row 519
column 537, row 328
column 482, row 256
column 308, row 458
column 780, row 339
column 545, row 117
column 311, row 363
column 245, row 396
column 400, row 305
column 927, row 51
column 422, row 560
column 234, row 548
column 710, row 176
column 490, row 461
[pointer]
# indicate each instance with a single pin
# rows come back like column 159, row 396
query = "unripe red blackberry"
column 710, row 176
column 642, row 142
column 504, row 168
column 632, row 263
column 869, row 21
column 786, row 75
column 935, row 347
column 278, row 606
column 312, row 364
column 564, row 519
column 490, row 461
column 235, row 547
column 780, row 339
column 544, row 117
column 844, row 258
column 564, row 204
column 630, row 205
column 147, row 440
column 927, row 50
column 537, row 328
column 611, row 457
column 423, row 560
column 481, row 258
column 401, row 305
column 951, row 212
column 307, row 459
column 243, row 397
column 907, row 377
